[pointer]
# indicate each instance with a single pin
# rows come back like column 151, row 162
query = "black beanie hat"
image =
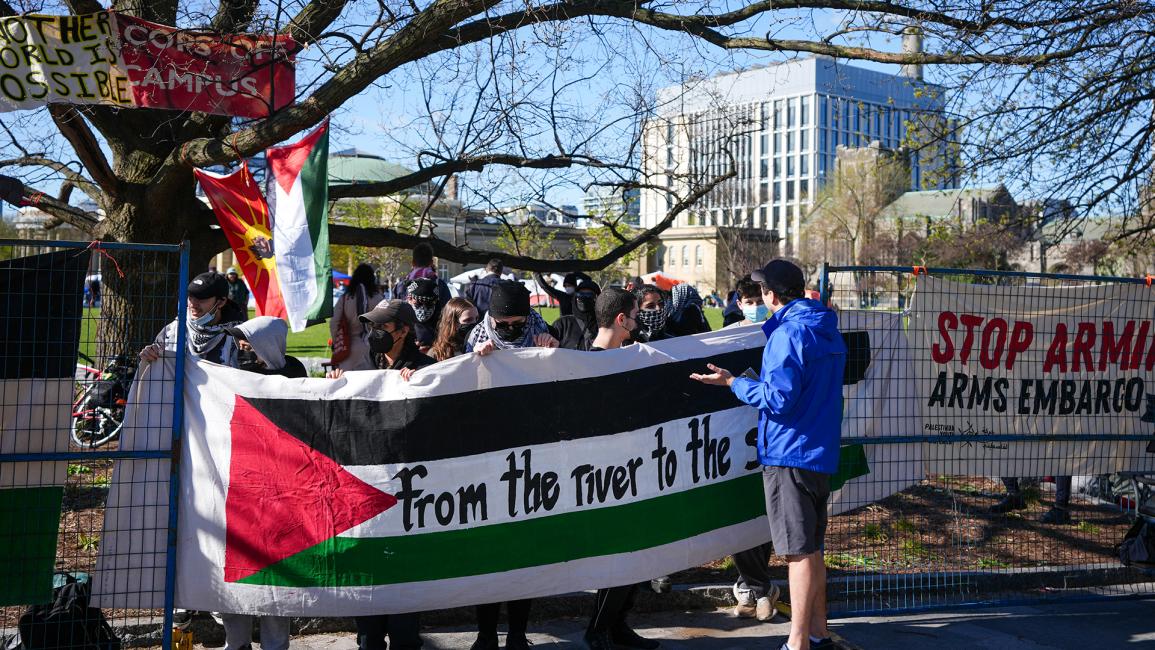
column 422, row 288
column 509, row 298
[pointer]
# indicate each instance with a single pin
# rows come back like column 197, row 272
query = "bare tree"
column 532, row 94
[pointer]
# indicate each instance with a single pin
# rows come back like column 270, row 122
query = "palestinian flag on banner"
column 298, row 192
column 244, row 218
column 39, row 336
column 369, row 494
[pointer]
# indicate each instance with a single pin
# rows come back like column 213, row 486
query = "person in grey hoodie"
column 261, row 344
column 798, row 394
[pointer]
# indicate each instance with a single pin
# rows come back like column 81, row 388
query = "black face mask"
column 464, row 329
column 248, row 360
column 509, row 332
column 584, row 303
column 380, row 341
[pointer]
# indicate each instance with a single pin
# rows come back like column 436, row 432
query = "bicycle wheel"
column 85, row 427
column 111, row 422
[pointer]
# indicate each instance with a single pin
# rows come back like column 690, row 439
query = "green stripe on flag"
column 29, row 525
column 315, row 191
column 852, row 463
column 360, row 562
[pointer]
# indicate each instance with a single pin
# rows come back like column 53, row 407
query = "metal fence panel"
column 73, row 317
column 932, row 540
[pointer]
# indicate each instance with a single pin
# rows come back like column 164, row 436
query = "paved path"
column 1116, row 623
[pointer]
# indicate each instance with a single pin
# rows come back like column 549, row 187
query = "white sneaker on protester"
column 747, row 603
column 766, row 609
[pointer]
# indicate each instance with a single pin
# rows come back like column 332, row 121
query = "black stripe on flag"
column 361, row 432
column 41, row 302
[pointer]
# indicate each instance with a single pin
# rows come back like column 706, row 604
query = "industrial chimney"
column 911, row 44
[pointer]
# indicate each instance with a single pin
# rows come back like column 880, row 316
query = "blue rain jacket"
column 799, row 391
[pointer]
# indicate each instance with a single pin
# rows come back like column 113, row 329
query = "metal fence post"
column 824, row 284
column 174, row 462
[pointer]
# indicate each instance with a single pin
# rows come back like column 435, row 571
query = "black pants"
column 403, row 630
column 518, row 611
column 610, row 608
column 754, row 569
column 1062, row 489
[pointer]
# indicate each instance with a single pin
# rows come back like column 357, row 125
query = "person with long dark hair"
column 458, row 319
column 362, row 294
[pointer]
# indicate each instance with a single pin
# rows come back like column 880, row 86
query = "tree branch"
column 87, row 149
column 84, row 6
column 381, row 237
column 85, row 185
column 471, row 164
column 233, row 15
column 28, row 197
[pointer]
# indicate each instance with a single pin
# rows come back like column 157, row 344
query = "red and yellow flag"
column 244, row 216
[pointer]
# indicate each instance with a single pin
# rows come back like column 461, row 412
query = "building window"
column 789, row 166
column 789, row 191
column 777, row 114
column 777, row 168
column 822, row 139
column 777, row 192
column 763, row 193
column 805, row 111
column 804, row 140
column 789, row 142
column 790, row 111
column 762, row 217
column 804, row 166
column 685, row 256
column 764, row 169
column 764, row 140
column 804, row 189
column 672, row 261
column 698, row 255
column 661, row 257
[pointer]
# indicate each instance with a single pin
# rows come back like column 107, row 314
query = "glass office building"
column 779, row 128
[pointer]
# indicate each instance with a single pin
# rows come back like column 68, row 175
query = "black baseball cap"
column 782, row 277
column 391, row 311
column 209, row 285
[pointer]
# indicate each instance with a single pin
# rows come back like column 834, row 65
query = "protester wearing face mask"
column 577, row 331
column 564, row 297
column 393, row 346
column 210, row 313
column 421, row 294
column 616, row 314
column 261, row 344
column 750, row 302
column 509, row 323
column 686, row 312
column 653, row 314
column 457, row 320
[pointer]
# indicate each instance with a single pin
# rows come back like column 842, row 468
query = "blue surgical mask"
column 755, row 314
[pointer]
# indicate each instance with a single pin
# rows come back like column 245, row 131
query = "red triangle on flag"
column 284, row 496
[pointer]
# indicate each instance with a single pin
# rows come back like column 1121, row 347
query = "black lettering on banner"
column 12, row 88
column 9, row 58
column 938, row 393
column 1000, row 401
column 1135, row 392
column 511, row 477
column 1066, row 396
column 407, row 495
column 692, row 448
column 665, row 461
column 14, row 30
column 472, row 498
column 752, row 443
column 32, row 80
column 958, row 389
column 1025, row 396
column 102, row 85
column 84, row 92
column 61, row 81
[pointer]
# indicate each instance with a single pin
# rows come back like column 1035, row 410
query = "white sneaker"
column 747, row 603
column 765, row 609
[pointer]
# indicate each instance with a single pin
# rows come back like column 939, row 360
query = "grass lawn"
column 314, row 341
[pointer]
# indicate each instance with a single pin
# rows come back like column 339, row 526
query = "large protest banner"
column 194, row 70
column 1033, row 361
column 521, row 473
column 66, row 59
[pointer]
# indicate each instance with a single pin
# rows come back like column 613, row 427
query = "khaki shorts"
column 796, row 506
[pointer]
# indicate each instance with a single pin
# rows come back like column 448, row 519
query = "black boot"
column 1009, row 503
column 485, row 642
column 624, row 636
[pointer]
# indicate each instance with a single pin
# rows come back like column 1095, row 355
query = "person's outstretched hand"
column 719, row 376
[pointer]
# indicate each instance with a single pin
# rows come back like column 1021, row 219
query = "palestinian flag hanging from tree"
column 244, row 218
column 298, row 194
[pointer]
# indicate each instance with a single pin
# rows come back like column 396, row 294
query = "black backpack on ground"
column 67, row 623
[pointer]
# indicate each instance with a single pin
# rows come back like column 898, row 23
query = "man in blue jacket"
column 799, row 399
